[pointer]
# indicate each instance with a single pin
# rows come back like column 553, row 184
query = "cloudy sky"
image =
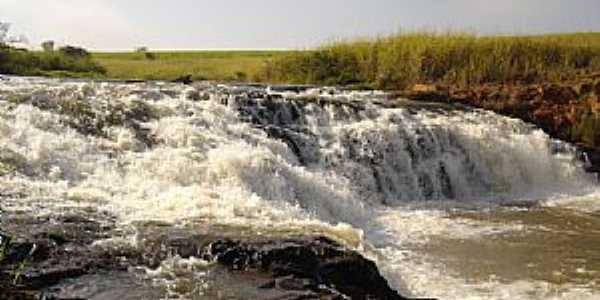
column 202, row 24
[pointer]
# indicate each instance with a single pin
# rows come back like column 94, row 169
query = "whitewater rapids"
column 406, row 184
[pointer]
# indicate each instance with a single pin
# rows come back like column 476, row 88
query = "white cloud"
column 90, row 23
column 123, row 24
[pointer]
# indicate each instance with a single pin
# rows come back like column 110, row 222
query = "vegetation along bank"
column 552, row 81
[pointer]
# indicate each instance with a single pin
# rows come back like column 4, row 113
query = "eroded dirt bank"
column 567, row 110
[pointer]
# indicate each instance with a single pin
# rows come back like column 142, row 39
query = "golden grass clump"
column 404, row 59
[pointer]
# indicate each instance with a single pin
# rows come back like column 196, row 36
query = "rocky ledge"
column 58, row 257
column 567, row 110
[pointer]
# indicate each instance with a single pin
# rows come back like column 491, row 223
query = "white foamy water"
column 385, row 181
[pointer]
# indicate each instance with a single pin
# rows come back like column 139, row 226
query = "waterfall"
column 307, row 159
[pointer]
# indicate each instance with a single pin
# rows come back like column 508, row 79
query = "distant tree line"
column 67, row 60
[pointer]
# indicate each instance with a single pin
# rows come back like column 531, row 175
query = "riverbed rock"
column 315, row 264
column 53, row 252
column 185, row 79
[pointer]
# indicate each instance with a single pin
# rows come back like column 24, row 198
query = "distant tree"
column 147, row 54
column 6, row 39
column 4, row 28
column 76, row 52
column 150, row 56
column 141, row 49
column 48, row 46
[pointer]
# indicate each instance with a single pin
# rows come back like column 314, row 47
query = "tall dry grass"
column 404, row 59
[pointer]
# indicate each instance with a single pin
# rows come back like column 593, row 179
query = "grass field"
column 392, row 62
column 213, row 65
column 396, row 62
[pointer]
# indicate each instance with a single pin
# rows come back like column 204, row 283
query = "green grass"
column 212, row 65
column 392, row 62
column 398, row 61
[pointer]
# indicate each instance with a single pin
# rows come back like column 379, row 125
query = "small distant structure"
column 142, row 49
column 48, row 46
column 74, row 51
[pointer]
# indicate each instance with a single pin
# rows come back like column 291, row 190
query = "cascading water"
column 396, row 180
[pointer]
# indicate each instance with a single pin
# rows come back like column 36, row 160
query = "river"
column 450, row 202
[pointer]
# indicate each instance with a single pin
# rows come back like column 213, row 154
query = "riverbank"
column 400, row 61
column 552, row 81
column 568, row 110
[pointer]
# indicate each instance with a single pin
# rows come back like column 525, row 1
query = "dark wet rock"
column 57, row 256
column 185, row 79
column 107, row 285
column 92, row 117
column 301, row 143
column 18, row 253
column 284, row 118
column 290, row 88
column 591, row 157
column 196, row 95
column 315, row 265
column 45, row 251
column 307, row 264
column 132, row 81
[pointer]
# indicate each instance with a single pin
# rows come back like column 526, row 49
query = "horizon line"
column 191, row 49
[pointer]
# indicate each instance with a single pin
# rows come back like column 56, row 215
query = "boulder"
column 593, row 160
column 60, row 250
column 313, row 264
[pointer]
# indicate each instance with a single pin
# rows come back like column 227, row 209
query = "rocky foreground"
column 567, row 110
column 56, row 257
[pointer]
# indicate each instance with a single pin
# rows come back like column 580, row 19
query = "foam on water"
column 338, row 169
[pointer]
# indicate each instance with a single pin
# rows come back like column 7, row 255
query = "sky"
column 279, row 24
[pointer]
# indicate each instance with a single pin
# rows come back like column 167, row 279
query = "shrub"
column 48, row 46
column 75, row 52
column 68, row 59
column 149, row 55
